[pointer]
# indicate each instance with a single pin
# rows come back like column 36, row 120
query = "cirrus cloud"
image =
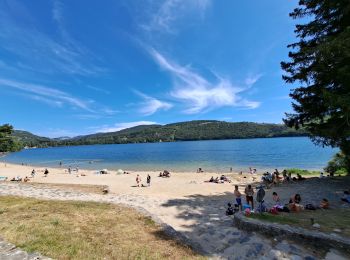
column 198, row 93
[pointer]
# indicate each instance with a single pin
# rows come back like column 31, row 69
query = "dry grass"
column 85, row 230
column 328, row 219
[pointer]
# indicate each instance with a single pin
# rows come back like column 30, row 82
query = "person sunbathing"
column 295, row 199
column 294, row 203
column 211, row 179
column 17, row 178
column 26, row 179
column 324, row 204
column 300, row 178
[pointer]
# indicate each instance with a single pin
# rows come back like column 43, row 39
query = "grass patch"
column 85, row 230
column 280, row 219
column 296, row 171
column 328, row 219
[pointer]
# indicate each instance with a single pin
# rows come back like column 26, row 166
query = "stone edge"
column 313, row 238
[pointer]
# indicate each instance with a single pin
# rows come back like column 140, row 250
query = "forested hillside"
column 187, row 131
column 184, row 131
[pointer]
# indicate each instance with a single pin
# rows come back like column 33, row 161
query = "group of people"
column 138, row 181
column 26, row 178
column 165, row 173
column 293, row 205
column 238, row 206
column 274, row 178
column 222, row 179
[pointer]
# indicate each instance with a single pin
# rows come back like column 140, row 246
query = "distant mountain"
column 31, row 140
column 183, row 131
column 187, row 131
column 61, row 138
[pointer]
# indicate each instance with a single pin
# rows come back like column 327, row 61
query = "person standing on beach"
column 46, row 172
column 249, row 193
column 148, row 180
column 138, row 180
column 238, row 195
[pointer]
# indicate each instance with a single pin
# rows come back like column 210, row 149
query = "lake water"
column 218, row 155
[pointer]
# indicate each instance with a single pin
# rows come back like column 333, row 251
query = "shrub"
column 337, row 165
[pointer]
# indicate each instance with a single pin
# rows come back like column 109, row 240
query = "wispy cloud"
column 163, row 16
column 41, row 53
column 98, row 89
column 252, row 79
column 120, row 126
column 43, row 93
column 58, row 98
column 197, row 92
column 151, row 105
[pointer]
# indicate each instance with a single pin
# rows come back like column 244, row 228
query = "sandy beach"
column 184, row 201
column 179, row 185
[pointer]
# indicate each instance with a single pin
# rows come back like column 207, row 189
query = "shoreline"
column 235, row 170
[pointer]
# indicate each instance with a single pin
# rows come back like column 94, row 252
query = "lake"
column 213, row 156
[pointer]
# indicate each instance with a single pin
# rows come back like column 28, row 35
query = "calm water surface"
column 261, row 153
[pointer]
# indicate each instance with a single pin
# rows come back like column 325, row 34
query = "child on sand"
column 230, row 210
column 249, row 192
column 238, row 197
column 276, row 198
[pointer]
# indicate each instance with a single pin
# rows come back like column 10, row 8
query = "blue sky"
column 77, row 67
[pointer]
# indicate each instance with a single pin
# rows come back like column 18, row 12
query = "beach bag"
column 285, row 209
column 310, row 207
column 273, row 211
column 246, row 206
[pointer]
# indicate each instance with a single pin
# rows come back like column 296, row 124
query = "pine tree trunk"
column 345, row 148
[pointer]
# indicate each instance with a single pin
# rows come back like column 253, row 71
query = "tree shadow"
column 202, row 219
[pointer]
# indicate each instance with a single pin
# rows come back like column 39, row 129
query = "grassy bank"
column 328, row 219
column 85, row 230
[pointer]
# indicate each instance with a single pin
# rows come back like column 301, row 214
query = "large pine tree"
column 319, row 68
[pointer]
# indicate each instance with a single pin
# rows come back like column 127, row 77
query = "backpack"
column 310, row 207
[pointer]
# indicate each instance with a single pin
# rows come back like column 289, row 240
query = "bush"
column 337, row 165
column 302, row 172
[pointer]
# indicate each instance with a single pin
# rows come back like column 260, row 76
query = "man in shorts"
column 238, row 196
column 249, row 193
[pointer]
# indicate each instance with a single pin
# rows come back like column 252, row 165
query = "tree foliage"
column 319, row 67
column 7, row 141
column 337, row 165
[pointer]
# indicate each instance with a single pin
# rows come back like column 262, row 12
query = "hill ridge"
column 181, row 131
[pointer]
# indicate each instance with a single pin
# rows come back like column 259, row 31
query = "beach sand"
column 179, row 185
column 184, row 201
